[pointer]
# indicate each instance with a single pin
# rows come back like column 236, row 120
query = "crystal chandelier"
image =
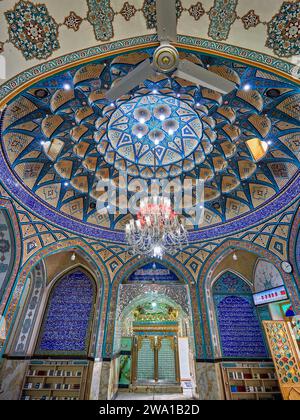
column 157, row 229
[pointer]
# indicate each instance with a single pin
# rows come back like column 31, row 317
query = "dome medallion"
column 152, row 130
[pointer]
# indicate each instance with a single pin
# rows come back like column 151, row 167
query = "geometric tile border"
column 210, row 47
column 32, row 204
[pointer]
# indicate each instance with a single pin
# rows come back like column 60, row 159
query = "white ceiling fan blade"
column 131, row 80
column 166, row 20
column 200, row 76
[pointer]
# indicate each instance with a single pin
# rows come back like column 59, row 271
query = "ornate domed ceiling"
column 61, row 136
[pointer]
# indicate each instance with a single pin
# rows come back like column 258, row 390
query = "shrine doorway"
column 154, row 334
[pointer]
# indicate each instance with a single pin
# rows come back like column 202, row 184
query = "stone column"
column 12, row 373
column 109, row 381
column 209, row 381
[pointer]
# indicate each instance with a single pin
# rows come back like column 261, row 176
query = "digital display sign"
column 269, row 296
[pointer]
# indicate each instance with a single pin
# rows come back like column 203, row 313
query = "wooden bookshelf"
column 250, row 381
column 55, row 380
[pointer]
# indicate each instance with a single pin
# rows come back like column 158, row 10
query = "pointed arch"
column 11, row 250
column 234, row 310
column 206, row 279
column 99, row 271
column 66, row 327
column 272, row 277
column 129, row 268
column 294, row 248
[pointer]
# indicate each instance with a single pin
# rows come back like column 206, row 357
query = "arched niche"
column 10, row 250
column 294, row 256
column 297, row 253
column 60, row 253
column 240, row 331
column 32, row 295
column 67, row 324
column 207, row 277
column 185, row 280
column 266, row 276
column 134, row 292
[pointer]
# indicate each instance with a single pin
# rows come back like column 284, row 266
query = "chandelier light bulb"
column 157, row 252
column 73, row 257
column 235, row 257
column 157, row 229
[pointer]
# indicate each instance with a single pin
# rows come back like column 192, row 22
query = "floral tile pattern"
column 250, row 20
column 149, row 11
column 73, row 21
column 35, row 33
column 128, row 11
column 222, row 16
column 32, row 30
column 101, row 16
column 197, row 11
column 284, row 30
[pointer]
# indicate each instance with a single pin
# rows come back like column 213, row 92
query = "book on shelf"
column 41, row 373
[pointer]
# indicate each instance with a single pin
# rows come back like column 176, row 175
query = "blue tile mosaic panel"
column 297, row 251
column 240, row 330
column 7, row 250
column 68, row 316
column 153, row 273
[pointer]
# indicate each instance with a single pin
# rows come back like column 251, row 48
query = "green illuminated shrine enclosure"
column 149, row 200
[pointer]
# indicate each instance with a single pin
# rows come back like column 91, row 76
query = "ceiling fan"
column 166, row 60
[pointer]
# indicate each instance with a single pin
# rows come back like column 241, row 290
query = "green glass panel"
column 145, row 364
column 166, row 362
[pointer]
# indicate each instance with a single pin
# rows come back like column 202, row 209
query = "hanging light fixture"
column 235, row 257
column 157, row 229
